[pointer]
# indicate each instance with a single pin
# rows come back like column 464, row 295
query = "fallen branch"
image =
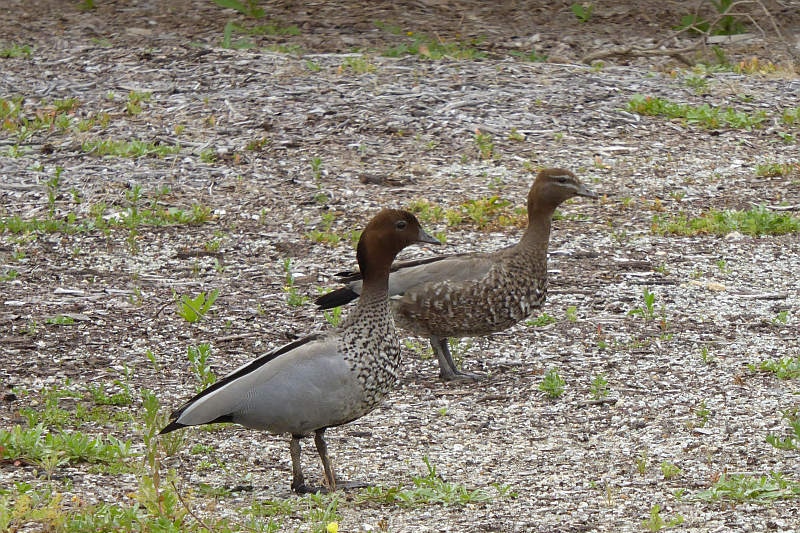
column 633, row 51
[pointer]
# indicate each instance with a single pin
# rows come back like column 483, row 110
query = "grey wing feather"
column 292, row 393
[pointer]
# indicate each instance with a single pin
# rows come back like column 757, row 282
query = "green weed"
column 670, row 470
column 642, row 462
column 194, row 309
column 135, row 100
column 198, row 358
column 533, row 56
column 571, row 313
column 56, row 116
column 552, row 384
column 435, row 49
column 542, row 320
column 132, row 149
column 582, row 11
column 756, row 221
column 248, row 8
column 647, row 309
column 515, row 135
column 322, row 510
column 15, row 50
column 485, row 144
column 357, row 65
column 36, row 445
column 784, row 368
column 273, row 508
column 208, row 156
column 703, row 115
column 705, row 355
column 791, row 116
column 598, row 389
column 656, row 522
column 781, row 318
column 426, row 211
column 316, row 168
column 749, row 488
column 324, row 237
column 422, row 350
column 429, row 489
column 698, row 83
column 491, row 211
column 256, row 145
column 121, row 398
column 51, row 413
column 61, row 320
column 293, row 297
column 9, row 275
column 229, row 42
column 703, row 413
column 792, row 441
column 333, row 316
column 323, row 233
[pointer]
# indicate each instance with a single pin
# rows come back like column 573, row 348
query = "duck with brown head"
column 320, row 381
column 475, row 294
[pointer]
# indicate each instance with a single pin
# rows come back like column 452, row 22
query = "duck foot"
column 321, row 489
column 460, row 375
column 351, row 485
column 309, row 489
column 447, row 368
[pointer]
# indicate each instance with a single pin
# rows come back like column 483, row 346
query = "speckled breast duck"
column 325, row 380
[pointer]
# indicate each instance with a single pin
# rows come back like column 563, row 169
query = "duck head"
column 553, row 186
column 385, row 235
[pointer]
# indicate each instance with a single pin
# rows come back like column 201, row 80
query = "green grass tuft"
column 132, row 149
column 703, row 115
column 756, row 221
column 429, row 489
column 749, row 488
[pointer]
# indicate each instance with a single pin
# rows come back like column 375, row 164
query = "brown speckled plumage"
column 515, row 284
column 476, row 294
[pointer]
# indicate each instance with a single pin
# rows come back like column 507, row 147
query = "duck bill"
column 583, row 191
column 425, row 237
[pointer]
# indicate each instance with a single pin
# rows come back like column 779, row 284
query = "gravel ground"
column 249, row 125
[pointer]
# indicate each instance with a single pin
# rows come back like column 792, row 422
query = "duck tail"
column 341, row 296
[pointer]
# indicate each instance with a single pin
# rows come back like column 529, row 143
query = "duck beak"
column 424, row 237
column 583, row 191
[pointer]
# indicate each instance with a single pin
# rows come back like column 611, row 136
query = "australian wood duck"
column 322, row 380
column 474, row 294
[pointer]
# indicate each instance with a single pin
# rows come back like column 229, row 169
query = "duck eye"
column 562, row 179
column 401, row 224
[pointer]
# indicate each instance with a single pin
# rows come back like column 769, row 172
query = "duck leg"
column 330, row 478
column 298, row 481
column 322, row 450
column 447, row 368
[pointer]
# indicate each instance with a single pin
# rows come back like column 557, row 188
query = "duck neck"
column 375, row 287
column 373, row 302
column 537, row 234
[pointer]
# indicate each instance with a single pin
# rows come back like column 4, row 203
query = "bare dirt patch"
column 249, row 128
